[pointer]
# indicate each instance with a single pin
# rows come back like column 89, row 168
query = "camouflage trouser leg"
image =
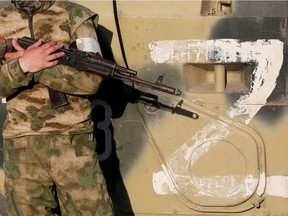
column 33, row 164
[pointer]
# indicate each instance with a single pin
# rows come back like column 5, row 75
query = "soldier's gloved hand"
column 40, row 56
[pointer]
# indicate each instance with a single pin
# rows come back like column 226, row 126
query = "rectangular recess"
column 199, row 77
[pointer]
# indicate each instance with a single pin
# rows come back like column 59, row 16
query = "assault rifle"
column 92, row 63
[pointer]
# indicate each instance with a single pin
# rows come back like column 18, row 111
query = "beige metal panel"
column 157, row 144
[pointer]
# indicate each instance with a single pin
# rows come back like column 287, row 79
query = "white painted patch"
column 262, row 184
column 213, row 131
column 161, row 185
column 227, row 186
column 88, row 45
column 266, row 54
column 277, row 186
column 269, row 60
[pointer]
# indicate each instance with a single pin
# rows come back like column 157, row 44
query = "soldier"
column 49, row 148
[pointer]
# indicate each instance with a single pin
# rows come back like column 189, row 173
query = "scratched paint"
column 267, row 56
column 226, row 185
column 213, row 131
column 222, row 186
column 277, row 186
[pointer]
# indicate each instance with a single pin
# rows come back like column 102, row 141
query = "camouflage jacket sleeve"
column 12, row 78
column 69, row 80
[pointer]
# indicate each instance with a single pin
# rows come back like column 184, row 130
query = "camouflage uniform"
column 45, row 146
